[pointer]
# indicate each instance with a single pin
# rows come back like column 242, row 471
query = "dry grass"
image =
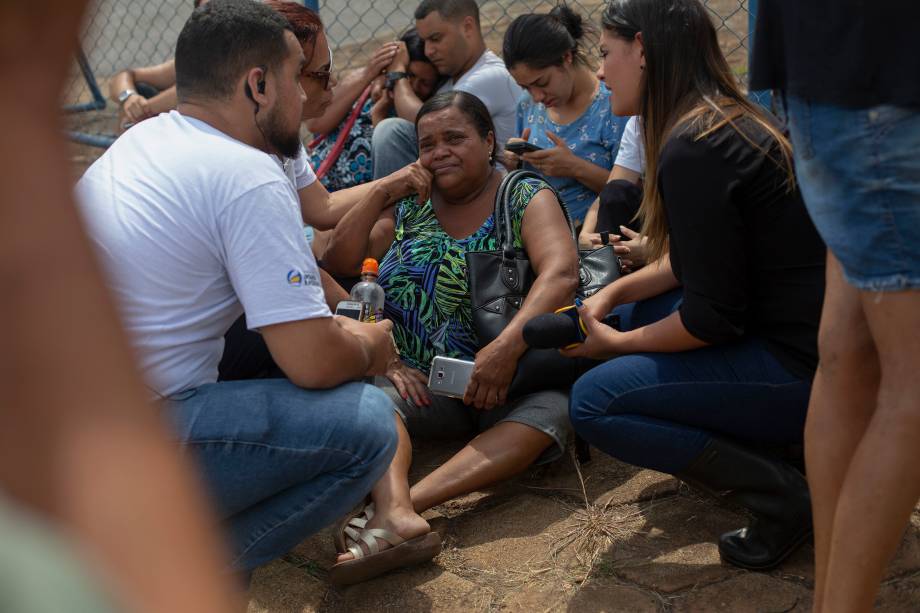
column 593, row 529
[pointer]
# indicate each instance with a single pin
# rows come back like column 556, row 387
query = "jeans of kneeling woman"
column 701, row 415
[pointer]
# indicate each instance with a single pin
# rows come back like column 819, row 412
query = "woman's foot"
column 405, row 523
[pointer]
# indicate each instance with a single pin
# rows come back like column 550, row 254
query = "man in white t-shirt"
column 454, row 44
column 194, row 223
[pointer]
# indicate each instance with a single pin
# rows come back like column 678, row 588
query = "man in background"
column 454, row 44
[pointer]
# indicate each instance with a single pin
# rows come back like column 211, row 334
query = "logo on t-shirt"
column 298, row 278
column 295, row 278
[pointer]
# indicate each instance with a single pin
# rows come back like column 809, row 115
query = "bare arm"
column 348, row 245
column 406, row 102
column 654, row 279
column 349, row 351
column 137, row 108
column 334, row 292
column 667, row 335
column 561, row 161
column 591, row 175
column 69, row 452
column 163, row 102
column 369, row 222
column 323, row 210
column 554, row 258
column 162, row 76
column 382, row 107
column 349, row 90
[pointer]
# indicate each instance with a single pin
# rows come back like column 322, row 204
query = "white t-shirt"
column 490, row 81
column 632, row 150
column 300, row 173
column 298, row 169
column 192, row 227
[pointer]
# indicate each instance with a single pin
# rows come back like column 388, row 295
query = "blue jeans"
column 658, row 410
column 282, row 462
column 394, row 145
column 860, row 178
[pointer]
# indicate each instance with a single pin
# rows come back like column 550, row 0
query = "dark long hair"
column 541, row 40
column 686, row 83
column 469, row 105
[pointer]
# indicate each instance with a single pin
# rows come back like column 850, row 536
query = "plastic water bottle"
column 368, row 292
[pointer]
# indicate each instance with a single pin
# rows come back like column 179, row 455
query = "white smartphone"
column 350, row 308
column 449, row 376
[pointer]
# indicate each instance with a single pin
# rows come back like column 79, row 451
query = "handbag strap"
column 343, row 136
column 503, row 228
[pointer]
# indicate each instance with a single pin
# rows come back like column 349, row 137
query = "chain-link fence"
column 119, row 34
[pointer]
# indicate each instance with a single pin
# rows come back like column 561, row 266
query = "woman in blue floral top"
column 565, row 110
column 354, row 165
column 421, row 244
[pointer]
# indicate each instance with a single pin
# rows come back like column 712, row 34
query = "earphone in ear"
column 260, row 85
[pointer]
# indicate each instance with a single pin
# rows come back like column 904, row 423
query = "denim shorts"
column 449, row 418
column 859, row 173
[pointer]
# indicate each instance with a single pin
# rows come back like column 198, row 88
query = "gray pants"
column 394, row 145
column 449, row 418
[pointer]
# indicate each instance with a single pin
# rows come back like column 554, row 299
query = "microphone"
column 561, row 329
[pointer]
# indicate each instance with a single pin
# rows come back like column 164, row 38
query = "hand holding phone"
column 449, row 376
column 520, row 147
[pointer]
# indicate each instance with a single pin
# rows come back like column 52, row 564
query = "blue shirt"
column 595, row 136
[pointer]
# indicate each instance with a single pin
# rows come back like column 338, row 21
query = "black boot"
column 772, row 490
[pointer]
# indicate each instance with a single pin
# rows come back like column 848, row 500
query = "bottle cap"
column 370, row 265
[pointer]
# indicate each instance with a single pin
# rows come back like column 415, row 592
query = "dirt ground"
column 632, row 540
column 527, row 546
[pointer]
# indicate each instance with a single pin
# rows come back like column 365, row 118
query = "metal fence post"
column 764, row 97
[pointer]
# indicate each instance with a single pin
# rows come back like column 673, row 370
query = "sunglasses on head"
column 322, row 76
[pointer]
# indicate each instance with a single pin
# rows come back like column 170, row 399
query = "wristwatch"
column 393, row 77
column 123, row 96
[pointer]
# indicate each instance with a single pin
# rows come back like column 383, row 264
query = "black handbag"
column 500, row 280
column 597, row 268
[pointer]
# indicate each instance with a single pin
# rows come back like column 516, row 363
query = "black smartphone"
column 519, row 147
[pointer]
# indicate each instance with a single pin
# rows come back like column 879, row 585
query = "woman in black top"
column 713, row 361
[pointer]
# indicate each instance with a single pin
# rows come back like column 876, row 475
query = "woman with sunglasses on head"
column 565, row 110
column 713, row 364
column 360, row 102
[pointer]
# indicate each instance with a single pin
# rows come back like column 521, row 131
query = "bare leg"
column 842, row 402
column 495, row 455
column 391, row 496
column 883, row 480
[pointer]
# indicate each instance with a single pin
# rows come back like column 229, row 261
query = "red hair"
column 304, row 22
